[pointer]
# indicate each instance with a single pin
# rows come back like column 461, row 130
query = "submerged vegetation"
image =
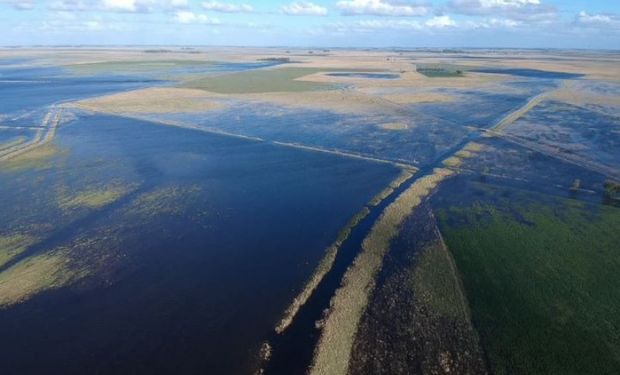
column 35, row 158
column 542, row 283
column 93, row 198
column 12, row 245
column 35, row 274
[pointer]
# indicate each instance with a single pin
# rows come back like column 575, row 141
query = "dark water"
column 196, row 280
column 533, row 73
column 27, row 89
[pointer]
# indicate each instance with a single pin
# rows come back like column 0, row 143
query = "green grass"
column 440, row 70
column 435, row 282
column 543, row 284
column 259, row 81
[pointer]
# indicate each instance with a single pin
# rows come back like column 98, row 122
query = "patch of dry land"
column 152, row 100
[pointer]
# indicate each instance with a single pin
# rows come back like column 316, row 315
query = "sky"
column 591, row 24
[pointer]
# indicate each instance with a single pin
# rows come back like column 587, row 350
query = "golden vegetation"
column 36, row 274
column 405, row 175
column 152, row 100
column 466, row 152
column 93, row 198
column 394, row 126
column 12, row 245
column 38, row 157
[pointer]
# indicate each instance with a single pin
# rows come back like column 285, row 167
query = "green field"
column 259, row 81
column 440, row 70
column 543, row 284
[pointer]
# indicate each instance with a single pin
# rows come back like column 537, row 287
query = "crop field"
column 260, row 81
column 542, row 295
column 288, row 211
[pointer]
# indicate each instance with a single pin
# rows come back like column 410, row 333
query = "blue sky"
column 333, row 23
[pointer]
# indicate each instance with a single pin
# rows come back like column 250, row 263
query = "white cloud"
column 440, row 22
column 489, row 6
column 530, row 11
column 491, row 23
column 187, row 17
column 585, row 19
column 378, row 25
column 93, row 25
column 123, row 5
column 393, row 8
column 216, row 6
column 129, row 6
column 304, row 8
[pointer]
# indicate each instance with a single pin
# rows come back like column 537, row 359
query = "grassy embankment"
column 543, row 284
column 333, row 352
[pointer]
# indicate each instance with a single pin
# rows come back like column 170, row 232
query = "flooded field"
column 352, row 212
column 185, row 246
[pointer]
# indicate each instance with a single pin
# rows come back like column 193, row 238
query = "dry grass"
column 468, row 151
column 394, row 126
column 453, row 162
column 334, row 349
column 152, row 100
column 258, row 81
column 405, row 175
column 15, row 142
column 420, row 97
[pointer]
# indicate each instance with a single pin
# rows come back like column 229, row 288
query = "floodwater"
column 190, row 269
